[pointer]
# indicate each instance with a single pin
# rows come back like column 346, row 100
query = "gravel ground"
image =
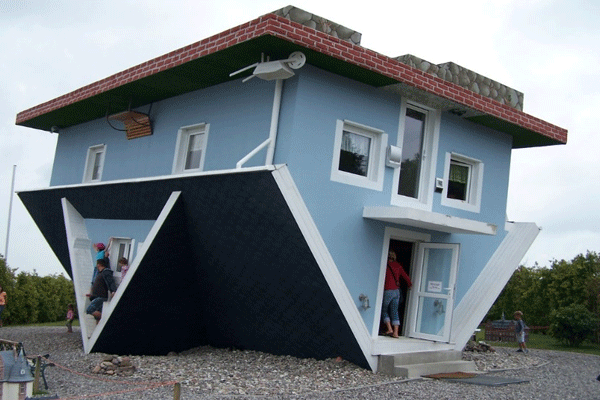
column 208, row 373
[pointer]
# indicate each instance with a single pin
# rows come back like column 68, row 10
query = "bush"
column 572, row 324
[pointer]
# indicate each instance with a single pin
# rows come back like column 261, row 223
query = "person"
column 392, row 295
column 70, row 317
column 520, row 332
column 100, row 255
column 2, row 303
column 123, row 266
column 103, row 289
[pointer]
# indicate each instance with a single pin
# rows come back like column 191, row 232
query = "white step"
column 413, row 365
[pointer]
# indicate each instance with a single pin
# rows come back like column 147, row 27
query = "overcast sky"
column 543, row 48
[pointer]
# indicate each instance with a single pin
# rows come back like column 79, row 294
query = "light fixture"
column 272, row 70
column 393, row 156
column 364, row 299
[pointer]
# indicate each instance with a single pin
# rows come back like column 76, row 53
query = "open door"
column 432, row 296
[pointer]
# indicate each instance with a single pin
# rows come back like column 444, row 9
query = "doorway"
column 404, row 255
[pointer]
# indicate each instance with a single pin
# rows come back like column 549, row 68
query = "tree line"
column 32, row 298
column 564, row 296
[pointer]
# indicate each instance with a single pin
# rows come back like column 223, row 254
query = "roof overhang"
column 210, row 61
column 428, row 220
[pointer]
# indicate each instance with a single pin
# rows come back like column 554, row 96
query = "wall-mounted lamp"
column 393, row 156
column 271, row 70
column 364, row 299
column 54, row 129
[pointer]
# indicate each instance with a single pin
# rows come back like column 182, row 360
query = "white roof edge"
column 159, row 177
column 428, row 220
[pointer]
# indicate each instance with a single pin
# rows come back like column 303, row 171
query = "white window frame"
column 376, row 167
column 129, row 245
column 181, row 147
column 424, row 201
column 475, row 184
column 90, row 162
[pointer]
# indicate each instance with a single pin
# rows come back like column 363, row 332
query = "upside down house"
column 257, row 179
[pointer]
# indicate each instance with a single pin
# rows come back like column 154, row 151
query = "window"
column 417, row 136
column 463, row 177
column 190, row 149
column 358, row 155
column 94, row 163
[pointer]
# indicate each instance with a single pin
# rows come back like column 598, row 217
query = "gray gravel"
column 208, row 373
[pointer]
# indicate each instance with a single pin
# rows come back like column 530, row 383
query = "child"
column 520, row 332
column 123, row 266
column 70, row 318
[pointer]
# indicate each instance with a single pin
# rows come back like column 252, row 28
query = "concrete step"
column 413, row 365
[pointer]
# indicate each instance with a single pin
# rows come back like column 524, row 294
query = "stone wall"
column 468, row 79
column 319, row 23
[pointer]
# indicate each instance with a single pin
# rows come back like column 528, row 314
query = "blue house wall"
column 239, row 115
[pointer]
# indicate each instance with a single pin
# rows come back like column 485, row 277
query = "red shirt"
column 398, row 272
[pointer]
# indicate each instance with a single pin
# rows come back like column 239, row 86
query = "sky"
column 547, row 49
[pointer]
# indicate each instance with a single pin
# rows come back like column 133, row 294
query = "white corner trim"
column 325, row 261
column 492, row 279
column 80, row 256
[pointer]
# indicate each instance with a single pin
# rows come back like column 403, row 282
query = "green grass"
column 545, row 342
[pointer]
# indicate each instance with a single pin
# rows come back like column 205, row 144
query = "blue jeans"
column 95, row 305
column 391, row 302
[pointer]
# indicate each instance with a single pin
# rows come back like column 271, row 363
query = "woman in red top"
column 392, row 295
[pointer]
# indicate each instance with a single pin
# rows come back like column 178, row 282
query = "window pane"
column 96, row 167
column 458, row 181
column 412, row 153
column 354, row 154
column 194, row 152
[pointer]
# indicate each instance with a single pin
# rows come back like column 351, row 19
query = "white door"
column 432, row 295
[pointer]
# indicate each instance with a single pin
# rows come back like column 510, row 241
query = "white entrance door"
column 432, row 295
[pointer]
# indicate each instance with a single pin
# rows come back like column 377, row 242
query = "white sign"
column 434, row 286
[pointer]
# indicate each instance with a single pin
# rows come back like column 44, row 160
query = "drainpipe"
column 274, row 122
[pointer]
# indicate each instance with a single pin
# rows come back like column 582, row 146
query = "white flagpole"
column 12, row 189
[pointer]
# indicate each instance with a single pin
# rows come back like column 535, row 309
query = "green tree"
column 32, row 298
column 573, row 324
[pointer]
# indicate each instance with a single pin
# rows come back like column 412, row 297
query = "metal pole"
column 12, row 189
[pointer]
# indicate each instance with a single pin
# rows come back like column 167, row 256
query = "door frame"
column 404, row 235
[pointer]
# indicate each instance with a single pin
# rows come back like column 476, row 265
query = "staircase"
column 414, row 365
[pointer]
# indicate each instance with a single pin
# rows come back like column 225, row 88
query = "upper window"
column 463, row 178
column 94, row 163
column 190, row 149
column 358, row 155
column 417, row 136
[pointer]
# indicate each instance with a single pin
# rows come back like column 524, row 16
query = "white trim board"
column 80, row 256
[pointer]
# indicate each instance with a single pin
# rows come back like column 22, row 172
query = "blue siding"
column 239, row 116
column 100, row 230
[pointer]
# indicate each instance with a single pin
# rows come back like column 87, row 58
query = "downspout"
column 274, row 121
